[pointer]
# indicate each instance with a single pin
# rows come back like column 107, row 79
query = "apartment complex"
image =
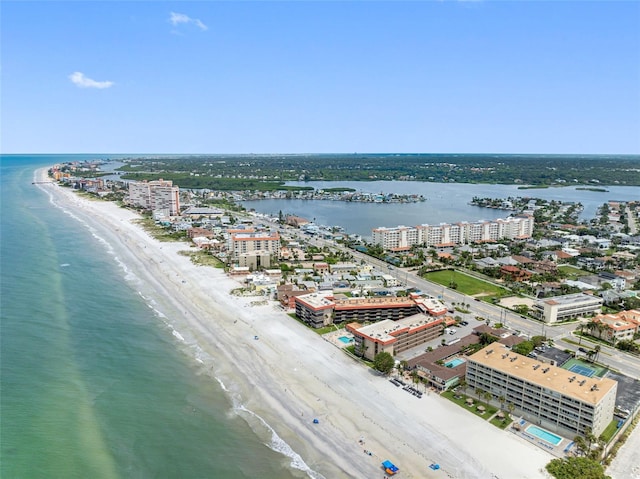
column 319, row 310
column 394, row 337
column 617, row 327
column 549, row 396
column 404, row 237
column 159, row 195
column 569, row 306
column 246, row 242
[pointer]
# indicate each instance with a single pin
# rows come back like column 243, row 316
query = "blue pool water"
column 345, row 339
column 454, row 362
column 544, row 435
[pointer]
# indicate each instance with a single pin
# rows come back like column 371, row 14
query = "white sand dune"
column 289, row 376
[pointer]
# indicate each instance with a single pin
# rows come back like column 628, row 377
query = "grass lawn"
column 320, row 331
column 462, row 401
column 610, row 431
column 572, row 272
column 502, row 423
column 466, row 284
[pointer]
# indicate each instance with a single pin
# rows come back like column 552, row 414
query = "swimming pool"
column 544, row 435
column 345, row 339
column 454, row 362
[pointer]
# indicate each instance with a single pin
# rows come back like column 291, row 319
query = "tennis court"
column 585, row 371
column 583, row 368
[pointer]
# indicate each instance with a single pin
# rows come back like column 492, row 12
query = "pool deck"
column 334, row 338
column 563, row 449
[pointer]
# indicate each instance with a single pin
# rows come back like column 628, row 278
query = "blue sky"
column 313, row 77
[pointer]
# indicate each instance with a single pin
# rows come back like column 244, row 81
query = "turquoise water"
column 345, row 339
column 454, row 362
column 94, row 382
column 544, row 435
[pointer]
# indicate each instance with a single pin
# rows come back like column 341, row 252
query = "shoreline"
column 289, row 376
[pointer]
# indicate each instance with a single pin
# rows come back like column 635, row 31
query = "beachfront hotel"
column 159, row 195
column 569, row 306
column 549, row 396
column 404, row 237
column 394, row 337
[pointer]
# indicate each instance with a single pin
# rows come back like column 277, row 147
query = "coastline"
column 289, row 376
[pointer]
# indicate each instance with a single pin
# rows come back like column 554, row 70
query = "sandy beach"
column 290, row 375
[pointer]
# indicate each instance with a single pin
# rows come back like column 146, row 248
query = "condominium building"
column 549, row 396
column 255, row 260
column 569, row 306
column 394, row 337
column 404, row 237
column 319, row 310
column 158, row 195
column 315, row 309
column 257, row 241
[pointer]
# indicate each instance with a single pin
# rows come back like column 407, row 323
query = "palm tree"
column 582, row 326
column 502, row 399
column 414, row 377
column 589, row 437
column 463, row 385
column 581, row 445
column 596, row 350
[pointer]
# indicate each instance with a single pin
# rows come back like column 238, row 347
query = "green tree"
column 383, row 362
column 573, row 467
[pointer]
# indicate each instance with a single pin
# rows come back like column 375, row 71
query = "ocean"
column 95, row 383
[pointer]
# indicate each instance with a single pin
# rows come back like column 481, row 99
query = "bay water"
column 444, row 203
column 94, row 382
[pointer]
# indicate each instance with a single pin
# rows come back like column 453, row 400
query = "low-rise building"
column 617, row 327
column 569, row 306
column 439, row 368
column 552, row 397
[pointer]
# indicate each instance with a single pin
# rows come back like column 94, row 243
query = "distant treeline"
column 269, row 172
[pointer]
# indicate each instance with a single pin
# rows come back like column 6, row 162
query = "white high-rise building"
column 445, row 234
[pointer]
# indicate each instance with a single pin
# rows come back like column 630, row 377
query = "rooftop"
column 500, row 358
column 385, row 331
column 571, row 299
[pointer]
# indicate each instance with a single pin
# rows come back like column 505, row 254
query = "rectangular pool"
column 544, row 435
column 345, row 339
column 454, row 362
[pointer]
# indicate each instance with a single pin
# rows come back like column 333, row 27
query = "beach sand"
column 290, row 375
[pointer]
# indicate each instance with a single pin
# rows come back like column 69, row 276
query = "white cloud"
column 82, row 81
column 178, row 18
